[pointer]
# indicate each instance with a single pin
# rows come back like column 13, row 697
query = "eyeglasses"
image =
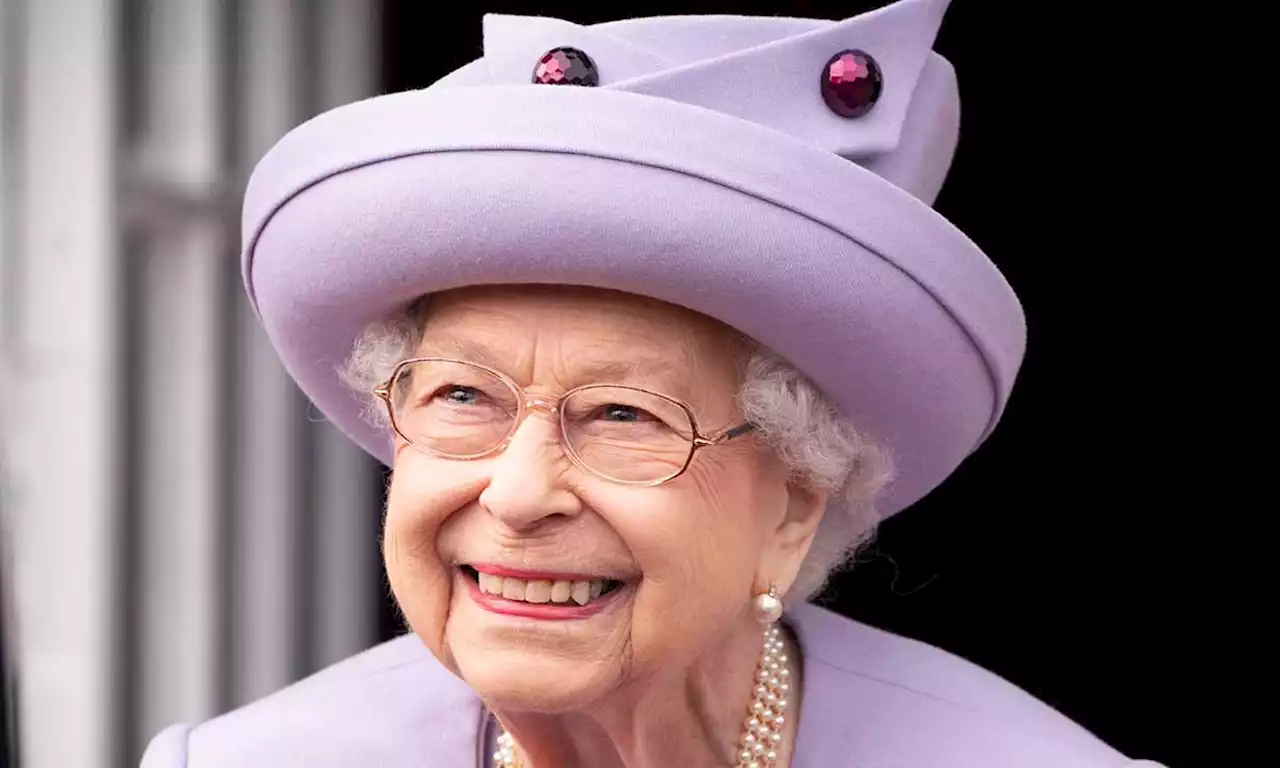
column 461, row 410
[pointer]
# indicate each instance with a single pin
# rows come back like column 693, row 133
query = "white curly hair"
column 793, row 418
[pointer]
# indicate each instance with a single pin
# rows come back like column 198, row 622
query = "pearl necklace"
column 765, row 722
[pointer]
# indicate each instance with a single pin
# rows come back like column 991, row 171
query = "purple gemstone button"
column 851, row 83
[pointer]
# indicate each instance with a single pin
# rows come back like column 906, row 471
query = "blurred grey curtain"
column 187, row 534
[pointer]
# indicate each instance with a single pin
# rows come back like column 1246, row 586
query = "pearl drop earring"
column 768, row 606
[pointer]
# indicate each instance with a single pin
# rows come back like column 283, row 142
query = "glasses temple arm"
column 728, row 435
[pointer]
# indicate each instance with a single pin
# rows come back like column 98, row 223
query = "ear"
column 789, row 542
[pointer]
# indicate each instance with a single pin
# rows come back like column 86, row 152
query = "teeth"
column 538, row 592
column 542, row 591
column 490, row 585
column 561, row 592
column 513, row 589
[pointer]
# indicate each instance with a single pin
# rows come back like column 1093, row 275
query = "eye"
column 628, row 413
column 460, row 395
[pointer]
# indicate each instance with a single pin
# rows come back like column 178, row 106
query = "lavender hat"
column 775, row 173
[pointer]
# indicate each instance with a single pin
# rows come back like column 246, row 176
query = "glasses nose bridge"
column 549, row 405
column 530, row 404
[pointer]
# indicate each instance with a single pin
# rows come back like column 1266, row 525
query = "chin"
column 545, row 662
column 524, row 681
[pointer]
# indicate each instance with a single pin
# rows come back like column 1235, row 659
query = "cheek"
column 697, row 543
column 419, row 506
column 729, row 507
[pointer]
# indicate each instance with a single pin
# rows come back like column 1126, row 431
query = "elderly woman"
column 653, row 322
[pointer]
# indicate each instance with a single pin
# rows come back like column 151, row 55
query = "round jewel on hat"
column 775, row 174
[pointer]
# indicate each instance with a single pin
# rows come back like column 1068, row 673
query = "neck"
column 695, row 715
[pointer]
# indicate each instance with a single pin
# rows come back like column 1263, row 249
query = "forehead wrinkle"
column 636, row 364
column 465, row 350
column 466, row 333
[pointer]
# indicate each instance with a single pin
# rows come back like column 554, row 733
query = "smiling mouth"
column 540, row 591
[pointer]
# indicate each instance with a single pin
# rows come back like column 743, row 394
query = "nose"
column 527, row 486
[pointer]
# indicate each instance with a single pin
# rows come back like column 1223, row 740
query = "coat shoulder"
column 366, row 710
column 893, row 700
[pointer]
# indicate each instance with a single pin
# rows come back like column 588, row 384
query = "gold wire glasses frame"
column 524, row 403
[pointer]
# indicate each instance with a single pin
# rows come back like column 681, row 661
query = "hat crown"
column 766, row 70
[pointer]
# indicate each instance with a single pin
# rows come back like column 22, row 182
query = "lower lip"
column 544, row 611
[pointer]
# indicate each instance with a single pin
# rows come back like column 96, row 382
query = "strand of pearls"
column 766, row 716
column 505, row 757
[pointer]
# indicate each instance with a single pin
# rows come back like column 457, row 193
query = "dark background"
column 1072, row 554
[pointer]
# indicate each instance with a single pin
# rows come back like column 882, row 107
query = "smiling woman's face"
column 546, row 587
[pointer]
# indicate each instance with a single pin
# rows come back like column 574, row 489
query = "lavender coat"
column 871, row 700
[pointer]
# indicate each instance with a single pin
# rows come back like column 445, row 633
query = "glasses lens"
column 626, row 434
column 452, row 408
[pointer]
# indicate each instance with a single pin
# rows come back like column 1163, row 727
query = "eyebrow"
column 462, row 349
column 635, row 371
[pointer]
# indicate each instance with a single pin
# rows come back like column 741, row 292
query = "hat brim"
column 892, row 312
